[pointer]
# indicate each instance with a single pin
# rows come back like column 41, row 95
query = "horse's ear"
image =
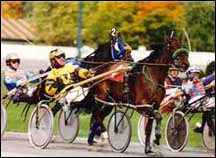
column 169, row 35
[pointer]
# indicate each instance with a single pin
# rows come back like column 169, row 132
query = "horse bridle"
column 175, row 61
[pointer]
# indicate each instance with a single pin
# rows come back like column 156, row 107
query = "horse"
column 146, row 86
column 102, row 55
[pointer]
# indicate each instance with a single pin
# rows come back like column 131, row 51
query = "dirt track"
column 17, row 144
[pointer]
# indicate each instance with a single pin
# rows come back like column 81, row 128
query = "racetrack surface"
column 18, row 145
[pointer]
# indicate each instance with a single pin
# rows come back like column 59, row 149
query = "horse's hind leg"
column 158, row 118
column 92, row 131
column 148, row 135
column 105, row 112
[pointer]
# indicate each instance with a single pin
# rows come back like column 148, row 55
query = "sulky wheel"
column 68, row 125
column 208, row 136
column 176, row 133
column 40, row 126
column 119, row 131
column 3, row 119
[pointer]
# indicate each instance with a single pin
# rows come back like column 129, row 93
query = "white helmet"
column 193, row 69
column 12, row 56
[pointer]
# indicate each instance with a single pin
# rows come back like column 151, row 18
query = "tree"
column 200, row 23
column 107, row 15
column 56, row 22
column 140, row 23
column 156, row 19
column 12, row 9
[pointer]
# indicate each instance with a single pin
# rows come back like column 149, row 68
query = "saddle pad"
column 117, row 76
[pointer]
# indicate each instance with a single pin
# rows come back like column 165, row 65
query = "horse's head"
column 179, row 55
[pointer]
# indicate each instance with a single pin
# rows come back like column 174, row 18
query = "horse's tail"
column 87, row 105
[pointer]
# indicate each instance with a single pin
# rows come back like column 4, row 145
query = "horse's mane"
column 101, row 47
column 155, row 54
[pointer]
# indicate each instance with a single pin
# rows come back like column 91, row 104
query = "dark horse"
column 101, row 55
column 145, row 83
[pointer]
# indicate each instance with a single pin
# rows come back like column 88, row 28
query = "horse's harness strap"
column 135, row 63
column 123, row 104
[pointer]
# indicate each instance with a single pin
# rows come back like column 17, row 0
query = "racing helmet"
column 190, row 72
column 193, row 69
column 11, row 56
column 55, row 52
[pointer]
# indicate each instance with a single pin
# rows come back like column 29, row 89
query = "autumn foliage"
column 12, row 9
column 139, row 22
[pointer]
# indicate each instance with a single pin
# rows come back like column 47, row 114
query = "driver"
column 118, row 48
column 193, row 86
column 62, row 75
column 14, row 77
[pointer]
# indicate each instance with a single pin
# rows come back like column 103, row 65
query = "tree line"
column 139, row 22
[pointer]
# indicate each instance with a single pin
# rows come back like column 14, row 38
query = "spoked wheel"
column 3, row 119
column 208, row 136
column 68, row 125
column 40, row 127
column 176, row 133
column 119, row 131
column 142, row 123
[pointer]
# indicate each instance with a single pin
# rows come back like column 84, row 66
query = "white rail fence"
column 36, row 57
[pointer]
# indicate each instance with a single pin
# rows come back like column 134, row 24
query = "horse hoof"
column 157, row 142
column 92, row 142
column 149, row 152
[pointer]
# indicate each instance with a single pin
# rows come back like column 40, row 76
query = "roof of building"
column 16, row 29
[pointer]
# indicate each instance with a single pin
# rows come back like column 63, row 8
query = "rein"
column 140, row 63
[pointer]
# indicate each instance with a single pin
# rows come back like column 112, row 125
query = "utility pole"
column 79, row 36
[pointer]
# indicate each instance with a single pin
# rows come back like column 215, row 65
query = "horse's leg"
column 105, row 112
column 157, row 115
column 158, row 118
column 148, row 136
column 94, row 123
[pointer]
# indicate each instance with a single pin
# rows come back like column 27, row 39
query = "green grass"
column 15, row 123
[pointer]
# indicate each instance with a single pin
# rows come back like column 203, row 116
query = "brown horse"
column 145, row 84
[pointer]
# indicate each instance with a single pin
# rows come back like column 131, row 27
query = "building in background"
column 16, row 31
column 17, row 35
